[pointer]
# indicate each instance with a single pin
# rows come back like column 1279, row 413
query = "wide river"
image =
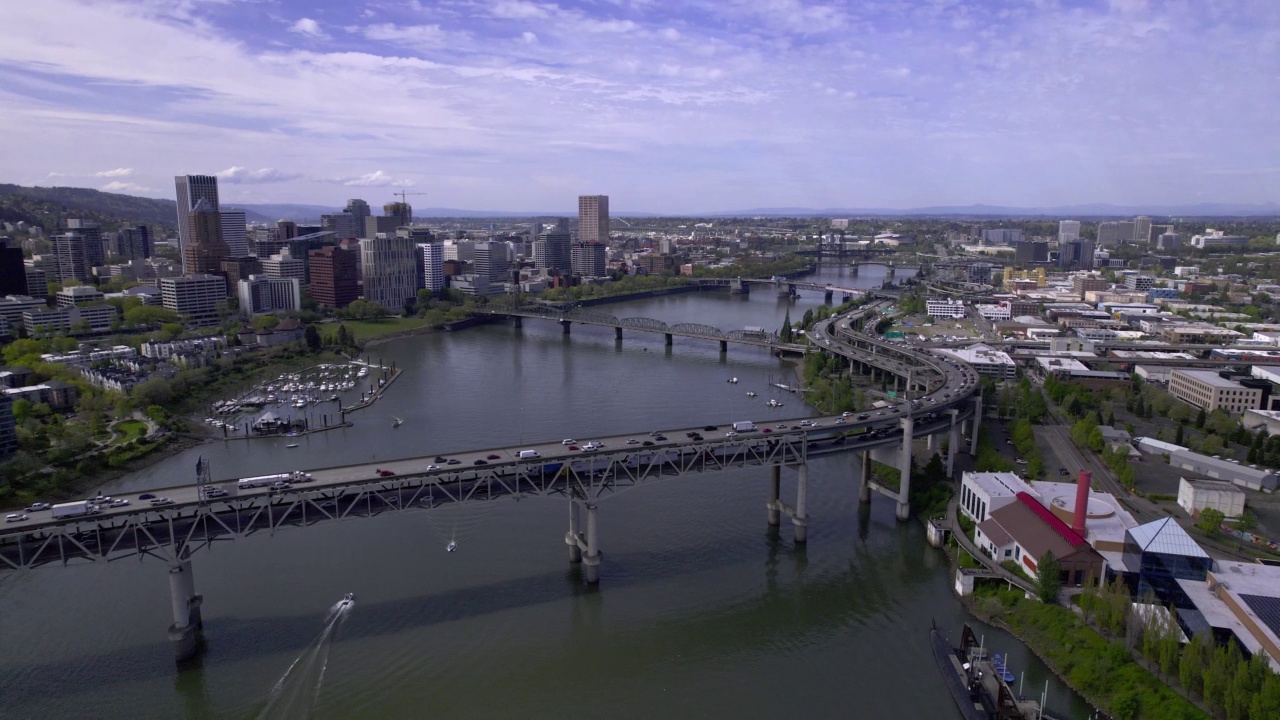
column 699, row 613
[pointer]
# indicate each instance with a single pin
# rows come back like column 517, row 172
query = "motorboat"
column 453, row 545
column 397, row 422
column 292, row 445
column 751, row 394
column 349, row 598
column 733, row 381
column 774, row 403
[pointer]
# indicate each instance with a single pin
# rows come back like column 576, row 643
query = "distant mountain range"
column 48, row 205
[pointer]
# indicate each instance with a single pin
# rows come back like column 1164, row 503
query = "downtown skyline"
column 508, row 105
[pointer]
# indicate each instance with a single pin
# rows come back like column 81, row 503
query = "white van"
column 528, row 454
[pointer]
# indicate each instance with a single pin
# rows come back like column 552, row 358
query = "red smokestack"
column 1082, row 502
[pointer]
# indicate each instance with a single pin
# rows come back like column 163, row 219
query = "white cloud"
column 406, row 34
column 308, row 27
column 529, row 37
column 120, row 172
column 520, row 10
column 377, row 178
column 238, row 175
column 120, row 187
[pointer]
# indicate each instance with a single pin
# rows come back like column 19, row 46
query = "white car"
column 731, row 433
column 632, row 441
column 161, row 501
column 592, row 446
column 432, row 467
column 15, row 517
column 121, row 502
column 568, row 441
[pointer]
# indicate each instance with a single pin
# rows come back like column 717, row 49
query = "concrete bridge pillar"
column 565, row 324
column 827, row 295
column 667, row 339
column 864, row 484
column 903, row 510
column 853, row 269
column 738, row 287
column 799, row 519
column 573, row 538
column 775, row 496
column 929, row 443
column 517, row 321
column 724, row 346
column 953, row 443
column 187, row 623
column 617, row 333
column 977, row 424
column 592, row 559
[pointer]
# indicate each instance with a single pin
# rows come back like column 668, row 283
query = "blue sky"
column 672, row 107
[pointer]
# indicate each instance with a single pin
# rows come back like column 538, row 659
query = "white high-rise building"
column 285, row 266
column 432, row 266
column 593, row 219
column 389, row 267
column 192, row 189
column 461, row 250
column 1068, row 229
column 235, row 232
column 1142, row 229
column 261, row 295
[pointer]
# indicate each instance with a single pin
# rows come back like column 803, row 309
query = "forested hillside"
column 47, row 206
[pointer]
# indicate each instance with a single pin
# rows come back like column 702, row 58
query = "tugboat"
column 979, row 683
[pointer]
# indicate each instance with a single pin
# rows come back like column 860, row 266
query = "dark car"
column 691, row 434
column 647, row 442
column 494, row 457
column 695, row 437
column 710, row 428
column 660, row 438
column 480, row 462
column 386, row 473
column 147, row 496
column 441, row 458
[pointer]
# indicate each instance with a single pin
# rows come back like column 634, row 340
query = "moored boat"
column 978, row 683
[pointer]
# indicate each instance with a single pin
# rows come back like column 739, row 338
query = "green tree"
column 1048, row 578
column 312, row 336
column 1178, row 439
column 786, row 335
column 1210, row 520
column 1200, row 418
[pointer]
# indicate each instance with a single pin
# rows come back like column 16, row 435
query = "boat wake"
column 296, row 693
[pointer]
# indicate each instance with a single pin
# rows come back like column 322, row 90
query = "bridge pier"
column 953, row 443
column 903, row 511
column 775, row 496
column 184, row 633
column 517, row 321
column 667, row 339
column 738, row 287
column 617, row 333
column 853, row 268
column 565, row 324
column 573, row 538
column 929, row 443
column 827, row 296
column 977, row 423
column 592, row 559
column 864, row 484
column 799, row 520
column 724, row 346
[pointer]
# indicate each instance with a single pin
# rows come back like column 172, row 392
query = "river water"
column 699, row 613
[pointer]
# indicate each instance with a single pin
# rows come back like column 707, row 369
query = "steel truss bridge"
column 763, row 338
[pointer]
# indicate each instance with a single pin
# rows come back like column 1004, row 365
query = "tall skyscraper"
column 588, row 259
column 1068, row 229
column 133, row 243
column 390, row 276
column 286, row 230
column 359, row 210
column 593, row 219
column 1001, row 236
column 491, row 261
column 13, row 271
column 335, row 281
column 205, row 248
column 69, row 249
column 191, row 190
column 95, row 251
column 235, row 232
column 553, row 249
column 1076, row 253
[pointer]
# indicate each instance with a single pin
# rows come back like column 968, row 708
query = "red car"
column 386, row 473
column 494, row 457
